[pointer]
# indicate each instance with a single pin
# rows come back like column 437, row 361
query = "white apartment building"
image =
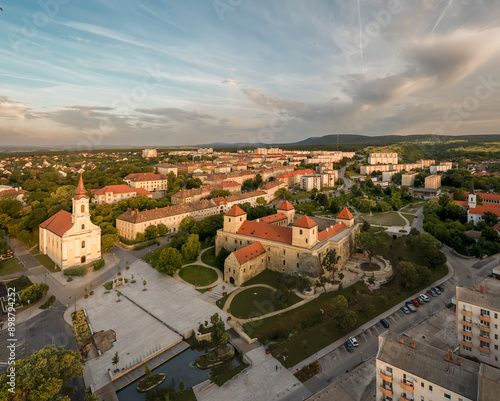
column 383, row 158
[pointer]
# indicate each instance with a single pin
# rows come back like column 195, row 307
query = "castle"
column 280, row 243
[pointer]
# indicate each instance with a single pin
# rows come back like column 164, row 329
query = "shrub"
column 34, row 292
column 70, row 279
column 99, row 264
column 49, row 302
column 108, row 285
column 146, row 244
column 75, row 272
column 127, row 241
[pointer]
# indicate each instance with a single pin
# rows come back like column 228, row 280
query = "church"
column 71, row 239
column 280, row 242
column 475, row 209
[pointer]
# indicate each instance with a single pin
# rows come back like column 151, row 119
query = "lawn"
column 260, row 301
column 20, row 283
column 9, row 266
column 274, row 279
column 409, row 217
column 301, row 195
column 309, row 208
column 198, row 275
column 47, row 262
column 209, row 258
column 311, row 324
column 384, row 219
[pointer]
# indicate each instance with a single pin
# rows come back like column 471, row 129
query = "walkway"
column 199, row 262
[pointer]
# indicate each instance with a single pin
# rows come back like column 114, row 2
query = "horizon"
column 125, row 74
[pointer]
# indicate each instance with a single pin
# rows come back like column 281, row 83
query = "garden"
column 197, row 275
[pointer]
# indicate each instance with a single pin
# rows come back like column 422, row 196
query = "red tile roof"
column 134, row 216
column 138, row 177
column 266, row 231
column 286, row 206
column 481, row 209
column 235, row 211
column 229, row 184
column 119, row 189
column 297, row 172
column 331, row 231
column 58, row 223
column 461, row 203
column 249, row 252
column 485, row 196
column 345, row 214
column 305, row 222
column 272, row 218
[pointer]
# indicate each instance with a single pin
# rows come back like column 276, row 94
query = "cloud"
column 11, row 109
column 231, row 82
column 177, row 114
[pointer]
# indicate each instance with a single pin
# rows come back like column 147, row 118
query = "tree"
column 162, row 229
column 490, row 218
column 144, row 282
column 191, row 249
column 170, row 260
column 347, row 320
column 108, row 241
column 34, row 292
column 147, row 371
column 221, row 258
column 261, row 201
column 139, row 237
column 151, row 232
column 409, row 277
column 219, row 334
column 187, row 223
column 322, row 281
column 178, row 240
column 322, row 199
column 116, row 359
column 41, row 376
column 340, row 305
column 24, row 236
column 330, row 261
column 366, row 226
column 371, row 243
column 334, row 207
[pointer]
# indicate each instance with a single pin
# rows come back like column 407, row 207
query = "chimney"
column 482, row 289
column 401, row 339
column 459, row 361
column 412, row 342
column 474, row 287
column 449, row 355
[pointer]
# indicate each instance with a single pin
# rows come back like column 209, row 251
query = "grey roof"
column 486, row 300
column 490, row 383
column 429, row 364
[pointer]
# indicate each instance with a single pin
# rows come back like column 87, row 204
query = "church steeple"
column 472, row 197
column 80, row 191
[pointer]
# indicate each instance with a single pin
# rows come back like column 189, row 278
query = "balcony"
column 485, row 328
column 466, row 313
column 407, row 386
column 403, row 398
column 485, row 318
column 467, row 323
column 484, row 350
column 386, row 391
column 467, row 333
column 484, row 339
column 466, row 344
column 386, row 376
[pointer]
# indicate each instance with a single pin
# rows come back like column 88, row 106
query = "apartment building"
column 383, row 158
column 387, row 175
column 147, row 153
column 115, row 193
column 148, row 181
column 408, row 370
column 309, row 182
column 477, row 320
column 433, row 181
column 440, row 168
column 408, row 179
column 166, row 169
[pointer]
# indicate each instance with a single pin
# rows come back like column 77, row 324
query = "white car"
column 424, row 297
column 353, row 341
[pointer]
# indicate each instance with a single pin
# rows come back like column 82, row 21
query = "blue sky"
column 160, row 73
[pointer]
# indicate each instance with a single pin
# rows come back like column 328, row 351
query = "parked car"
column 415, row 303
column 424, row 297
column 349, row 347
column 440, row 287
column 405, row 310
column 437, row 290
column 420, row 300
column 431, row 292
column 353, row 341
column 385, row 323
column 410, row 306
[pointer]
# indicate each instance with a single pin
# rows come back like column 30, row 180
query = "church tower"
column 472, row 197
column 81, row 213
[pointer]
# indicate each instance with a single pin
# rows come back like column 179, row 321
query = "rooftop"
column 489, row 299
column 286, row 206
column 331, row 231
column 119, row 189
column 235, row 211
column 138, row 177
column 272, row 218
column 305, row 222
column 249, row 252
column 266, row 231
column 345, row 214
column 59, row 223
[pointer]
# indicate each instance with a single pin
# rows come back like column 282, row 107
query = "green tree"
column 41, row 376
column 347, row 320
column 116, row 359
column 220, row 336
column 178, row 240
column 221, row 258
column 151, row 232
column 24, row 236
column 334, row 207
column 261, row 201
column 408, row 275
column 147, row 371
column 108, row 241
column 340, row 305
column 371, row 243
column 191, row 249
column 170, row 260
column 187, row 223
column 162, row 229
column 330, row 261
column 396, row 201
column 34, row 292
column 322, row 281
column 140, row 237
column 490, row 218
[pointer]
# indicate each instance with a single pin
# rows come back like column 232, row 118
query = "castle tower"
column 472, row 197
column 233, row 219
column 305, row 233
column 346, row 217
column 287, row 208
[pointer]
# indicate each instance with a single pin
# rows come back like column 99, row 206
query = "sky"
column 164, row 72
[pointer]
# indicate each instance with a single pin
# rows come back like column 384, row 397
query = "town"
column 274, row 271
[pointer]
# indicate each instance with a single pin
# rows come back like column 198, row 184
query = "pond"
column 178, row 368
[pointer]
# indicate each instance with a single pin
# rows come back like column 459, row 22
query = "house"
column 148, row 181
column 115, row 193
column 71, row 239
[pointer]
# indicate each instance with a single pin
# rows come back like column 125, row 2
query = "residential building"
column 268, row 244
column 115, row 193
column 475, row 212
column 271, row 188
column 71, row 239
column 147, row 153
column 408, row 179
column 410, row 370
column 308, row 182
column 441, row 167
column 294, row 177
column 387, row 175
column 268, row 151
column 149, row 181
column 383, row 158
column 433, row 181
column 166, row 169
column 190, row 195
column 13, row 193
column 477, row 321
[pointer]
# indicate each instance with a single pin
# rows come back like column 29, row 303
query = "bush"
column 34, row 292
column 75, row 272
column 49, row 302
column 127, row 241
column 146, row 244
column 98, row 264
column 108, row 285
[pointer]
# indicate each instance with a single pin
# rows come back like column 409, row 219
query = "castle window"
column 283, row 263
column 298, row 255
column 83, row 244
column 300, row 232
column 241, row 218
column 83, row 209
column 83, row 226
column 306, row 240
column 284, row 251
column 297, row 265
column 235, row 241
column 268, row 258
column 230, row 220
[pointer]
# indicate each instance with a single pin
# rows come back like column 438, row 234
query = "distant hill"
column 352, row 139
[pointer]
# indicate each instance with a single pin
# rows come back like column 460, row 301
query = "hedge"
column 98, row 264
column 48, row 302
column 75, row 272
column 146, row 244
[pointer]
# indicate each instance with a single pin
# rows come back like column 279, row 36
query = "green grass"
column 9, row 266
column 199, row 275
column 309, row 208
column 20, row 283
column 259, row 301
column 274, row 279
column 222, row 301
column 409, row 217
column 47, row 262
column 301, row 195
column 384, row 219
column 306, row 322
column 209, row 258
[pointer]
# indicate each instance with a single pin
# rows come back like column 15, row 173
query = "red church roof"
column 286, row 206
column 305, row 222
column 345, row 214
column 235, row 211
column 481, row 209
column 58, row 223
column 249, row 252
